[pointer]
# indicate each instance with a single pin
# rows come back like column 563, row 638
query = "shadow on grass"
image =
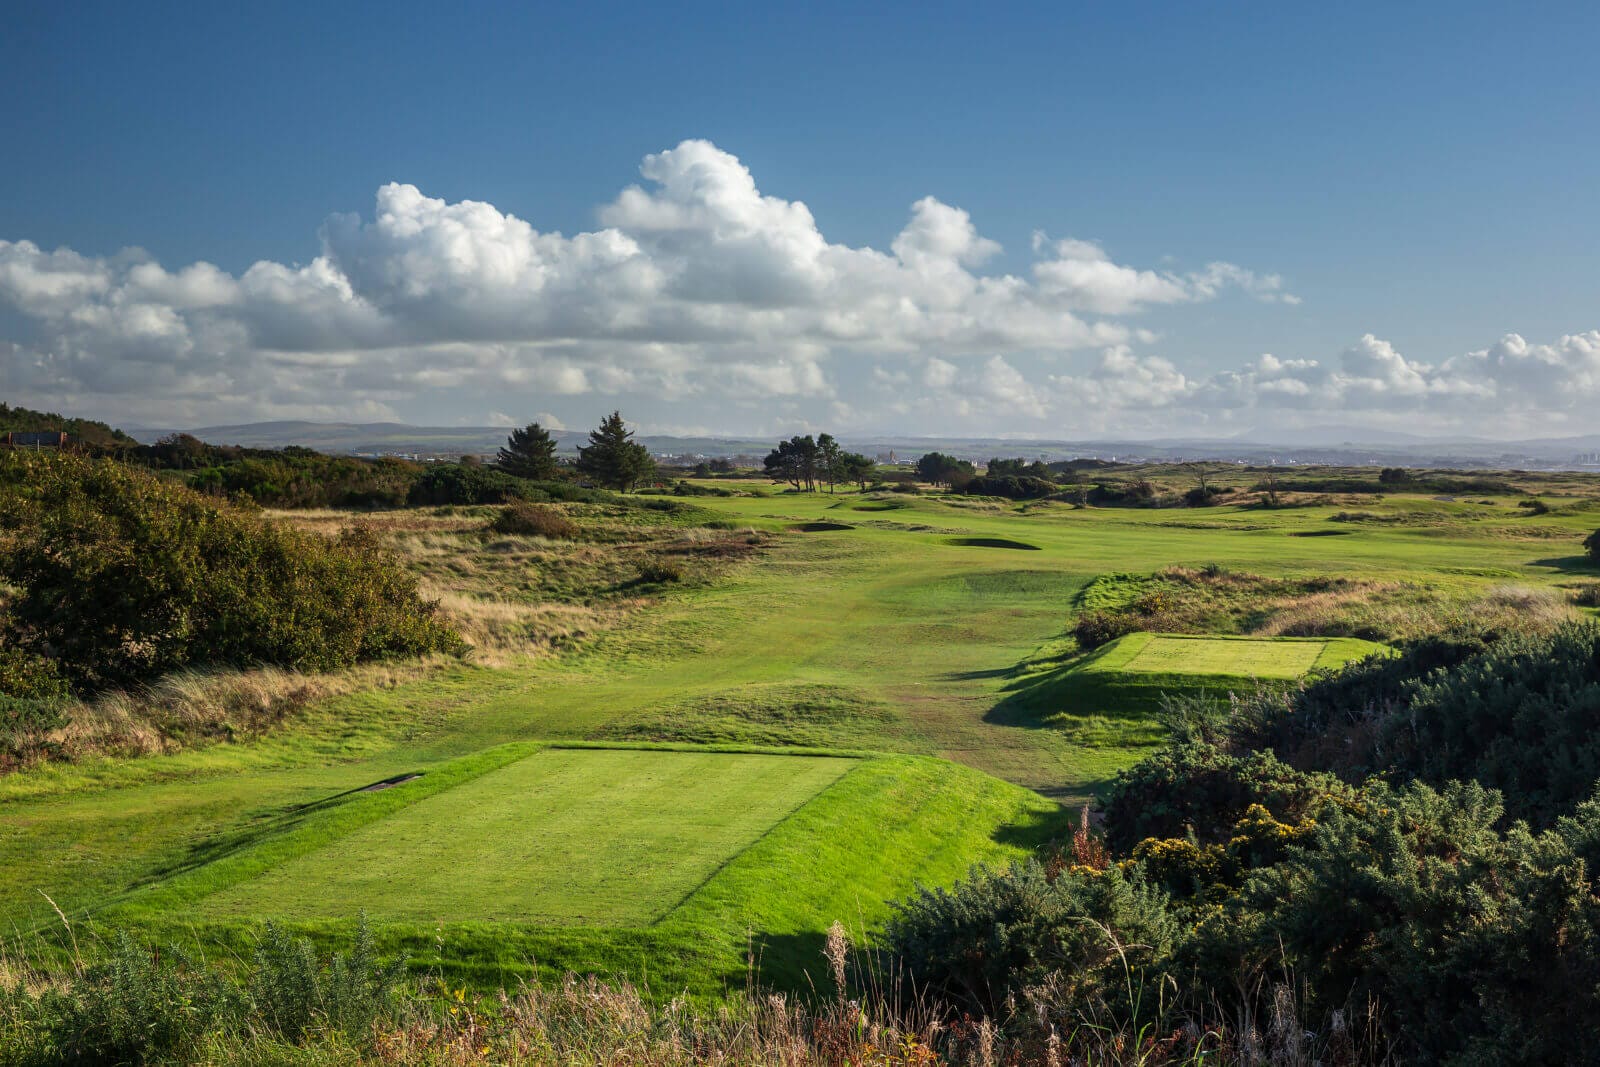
column 269, row 824
column 1569, row 564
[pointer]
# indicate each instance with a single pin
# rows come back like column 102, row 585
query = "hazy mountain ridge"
column 1332, row 445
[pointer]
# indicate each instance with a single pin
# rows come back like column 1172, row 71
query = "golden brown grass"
column 193, row 708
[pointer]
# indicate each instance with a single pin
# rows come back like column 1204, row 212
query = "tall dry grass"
column 198, row 707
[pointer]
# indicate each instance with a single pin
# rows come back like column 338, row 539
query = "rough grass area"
column 565, row 836
column 1217, row 600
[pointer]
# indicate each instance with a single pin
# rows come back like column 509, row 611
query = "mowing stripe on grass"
column 1164, row 654
column 566, row 837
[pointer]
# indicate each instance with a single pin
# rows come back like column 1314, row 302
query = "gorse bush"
column 122, row 577
column 998, row 933
column 457, row 483
column 1096, row 628
column 660, row 572
column 1197, row 790
column 1522, row 717
column 520, row 518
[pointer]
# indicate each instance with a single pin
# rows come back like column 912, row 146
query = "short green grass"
column 564, row 836
column 1279, row 658
column 839, row 837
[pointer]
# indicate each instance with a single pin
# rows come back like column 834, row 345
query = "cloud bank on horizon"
column 711, row 307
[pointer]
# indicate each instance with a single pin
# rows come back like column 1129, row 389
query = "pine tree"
column 529, row 453
column 612, row 458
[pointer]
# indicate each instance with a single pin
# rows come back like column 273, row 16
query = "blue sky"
column 1395, row 189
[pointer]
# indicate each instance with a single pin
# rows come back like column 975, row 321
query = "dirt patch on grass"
column 993, row 542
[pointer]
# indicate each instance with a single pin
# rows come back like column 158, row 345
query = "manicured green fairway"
column 885, row 635
column 1176, row 654
column 565, row 836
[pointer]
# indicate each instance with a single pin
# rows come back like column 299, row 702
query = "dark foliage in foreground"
column 122, row 577
column 1410, row 881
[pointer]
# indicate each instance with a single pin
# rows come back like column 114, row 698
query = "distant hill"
column 395, row 437
column 1340, row 446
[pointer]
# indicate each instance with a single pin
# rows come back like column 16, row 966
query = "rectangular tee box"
column 1240, row 658
column 572, row 837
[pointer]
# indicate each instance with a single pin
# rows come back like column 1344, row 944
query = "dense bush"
column 1194, row 789
column 25, row 728
column 533, row 520
column 1137, row 494
column 1334, row 721
column 121, row 577
column 1096, row 628
column 1481, row 945
column 1591, row 544
column 1010, row 486
column 1522, row 717
column 291, row 477
column 997, row 933
column 292, row 991
column 131, row 1004
column 460, row 483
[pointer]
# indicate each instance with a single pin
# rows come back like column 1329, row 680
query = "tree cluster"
column 805, row 462
column 940, row 469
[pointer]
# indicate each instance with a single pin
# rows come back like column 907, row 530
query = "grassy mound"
column 667, row 863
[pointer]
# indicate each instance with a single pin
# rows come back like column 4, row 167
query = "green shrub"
column 123, row 577
column 25, row 728
column 30, row 675
column 520, row 518
column 1481, row 946
column 133, row 1006
column 1522, row 717
column 1096, row 628
column 997, row 933
column 457, row 483
column 1591, row 544
column 1198, row 790
column 293, row 991
column 660, row 572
